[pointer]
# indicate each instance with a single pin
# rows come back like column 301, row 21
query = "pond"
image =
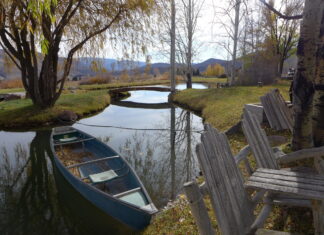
column 157, row 139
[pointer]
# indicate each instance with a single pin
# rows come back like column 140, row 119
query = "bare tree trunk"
column 281, row 65
column 303, row 89
column 189, row 55
column 173, row 38
column 235, row 41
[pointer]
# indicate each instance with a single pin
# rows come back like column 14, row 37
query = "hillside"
column 84, row 66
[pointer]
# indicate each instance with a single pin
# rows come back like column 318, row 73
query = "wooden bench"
column 279, row 115
column 232, row 205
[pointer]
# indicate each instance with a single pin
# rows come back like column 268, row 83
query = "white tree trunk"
column 303, row 90
column 235, row 40
column 189, row 54
column 318, row 106
column 173, row 38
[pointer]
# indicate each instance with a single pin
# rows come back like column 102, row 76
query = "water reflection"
column 28, row 202
column 163, row 159
column 35, row 199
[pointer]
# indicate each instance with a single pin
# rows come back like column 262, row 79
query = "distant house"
column 77, row 77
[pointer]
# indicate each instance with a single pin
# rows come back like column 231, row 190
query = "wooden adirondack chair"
column 262, row 150
column 278, row 113
column 231, row 203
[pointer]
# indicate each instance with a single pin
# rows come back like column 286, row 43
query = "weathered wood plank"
column 278, row 113
column 302, row 154
column 198, row 208
column 283, row 189
column 257, row 110
column 311, row 182
column 231, row 204
column 298, row 186
column 291, row 182
column 291, row 173
column 258, row 142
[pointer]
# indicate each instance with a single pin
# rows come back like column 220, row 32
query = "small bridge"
column 146, row 88
column 130, row 104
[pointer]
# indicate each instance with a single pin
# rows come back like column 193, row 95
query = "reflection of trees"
column 140, row 152
column 28, row 202
column 164, row 160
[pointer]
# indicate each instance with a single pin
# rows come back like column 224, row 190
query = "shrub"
column 214, row 70
column 96, row 80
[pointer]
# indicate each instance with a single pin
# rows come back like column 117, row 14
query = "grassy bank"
column 22, row 114
column 124, row 84
column 223, row 107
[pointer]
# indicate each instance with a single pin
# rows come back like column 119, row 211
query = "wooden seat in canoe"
column 102, row 176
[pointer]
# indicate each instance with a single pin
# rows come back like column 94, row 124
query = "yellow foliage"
column 214, row 70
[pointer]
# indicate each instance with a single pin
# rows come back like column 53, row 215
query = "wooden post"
column 198, row 208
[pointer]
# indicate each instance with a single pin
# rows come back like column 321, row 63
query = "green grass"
column 4, row 91
column 223, row 107
column 123, row 84
column 209, row 80
column 22, row 114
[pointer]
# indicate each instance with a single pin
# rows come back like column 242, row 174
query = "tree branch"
column 68, row 62
column 10, row 56
column 296, row 17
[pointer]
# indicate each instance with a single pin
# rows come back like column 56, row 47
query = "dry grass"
column 96, row 80
column 10, row 84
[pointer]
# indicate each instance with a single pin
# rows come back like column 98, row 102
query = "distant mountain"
column 83, row 66
column 164, row 67
column 203, row 65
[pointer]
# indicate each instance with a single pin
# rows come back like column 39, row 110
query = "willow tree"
column 62, row 26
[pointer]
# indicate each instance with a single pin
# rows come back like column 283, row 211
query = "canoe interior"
column 74, row 147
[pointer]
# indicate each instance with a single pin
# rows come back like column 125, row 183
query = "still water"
column 156, row 138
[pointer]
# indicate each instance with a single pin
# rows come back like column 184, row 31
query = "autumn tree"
column 62, row 26
column 214, row 70
column 281, row 35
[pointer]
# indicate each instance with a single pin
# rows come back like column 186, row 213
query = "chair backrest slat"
column 278, row 113
column 258, row 141
column 231, row 203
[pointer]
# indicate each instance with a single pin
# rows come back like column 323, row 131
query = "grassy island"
column 22, row 114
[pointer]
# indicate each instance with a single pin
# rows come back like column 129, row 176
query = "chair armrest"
column 203, row 189
column 244, row 152
column 302, row 154
column 277, row 140
column 259, row 221
column 278, row 152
